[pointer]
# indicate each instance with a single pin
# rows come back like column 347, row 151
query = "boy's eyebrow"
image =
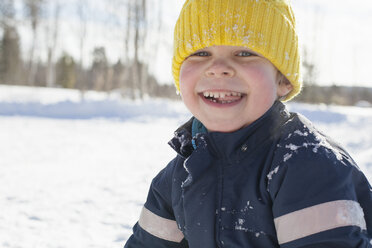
column 248, row 50
column 253, row 52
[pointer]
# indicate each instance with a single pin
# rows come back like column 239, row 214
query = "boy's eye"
column 201, row 54
column 245, row 54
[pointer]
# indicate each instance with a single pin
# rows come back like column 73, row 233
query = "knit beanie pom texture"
column 264, row 26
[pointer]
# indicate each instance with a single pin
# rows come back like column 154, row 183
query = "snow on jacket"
column 277, row 183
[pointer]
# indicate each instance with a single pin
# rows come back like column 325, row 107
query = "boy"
column 248, row 173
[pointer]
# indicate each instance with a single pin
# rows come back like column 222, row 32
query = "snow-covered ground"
column 75, row 173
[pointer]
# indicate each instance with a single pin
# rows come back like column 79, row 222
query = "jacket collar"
column 227, row 144
column 182, row 140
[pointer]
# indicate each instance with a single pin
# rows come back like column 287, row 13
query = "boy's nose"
column 219, row 69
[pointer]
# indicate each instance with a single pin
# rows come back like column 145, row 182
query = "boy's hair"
column 264, row 26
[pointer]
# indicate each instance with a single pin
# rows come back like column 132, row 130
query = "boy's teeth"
column 221, row 94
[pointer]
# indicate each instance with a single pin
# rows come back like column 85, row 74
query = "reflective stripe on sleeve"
column 160, row 227
column 319, row 218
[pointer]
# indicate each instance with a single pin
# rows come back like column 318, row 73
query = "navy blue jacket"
column 278, row 182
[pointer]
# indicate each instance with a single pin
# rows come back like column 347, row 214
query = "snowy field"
column 75, row 173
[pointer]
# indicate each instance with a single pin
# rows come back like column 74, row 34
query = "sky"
column 337, row 35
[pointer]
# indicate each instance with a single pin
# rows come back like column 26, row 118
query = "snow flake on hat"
column 286, row 56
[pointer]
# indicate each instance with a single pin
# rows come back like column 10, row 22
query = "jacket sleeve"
column 157, row 227
column 320, row 199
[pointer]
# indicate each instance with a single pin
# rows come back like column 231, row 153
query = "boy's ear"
column 284, row 86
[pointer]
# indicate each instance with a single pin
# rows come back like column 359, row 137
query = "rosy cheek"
column 259, row 74
column 186, row 73
column 186, row 86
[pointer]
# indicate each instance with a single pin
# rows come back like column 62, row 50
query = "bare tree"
column 82, row 15
column 81, row 77
column 52, row 28
column 309, row 74
column 10, row 55
column 33, row 12
column 133, row 19
column 127, row 33
column 139, row 26
column 309, row 78
column 99, row 71
column 65, row 71
column 7, row 13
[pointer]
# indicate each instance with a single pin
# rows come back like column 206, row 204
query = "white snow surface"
column 75, row 173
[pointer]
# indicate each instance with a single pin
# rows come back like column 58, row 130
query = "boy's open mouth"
column 222, row 97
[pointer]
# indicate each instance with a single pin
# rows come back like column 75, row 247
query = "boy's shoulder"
column 301, row 141
column 310, row 168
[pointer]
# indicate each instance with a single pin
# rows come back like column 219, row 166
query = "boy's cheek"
column 187, row 75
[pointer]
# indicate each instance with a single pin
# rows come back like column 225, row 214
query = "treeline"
column 100, row 76
column 129, row 74
column 335, row 94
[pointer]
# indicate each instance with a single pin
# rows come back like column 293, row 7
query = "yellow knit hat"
column 264, row 26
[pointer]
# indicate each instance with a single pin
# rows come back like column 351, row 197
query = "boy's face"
column 229, row 87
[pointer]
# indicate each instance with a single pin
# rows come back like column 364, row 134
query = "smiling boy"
column 248, row 173
column 229, row 87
